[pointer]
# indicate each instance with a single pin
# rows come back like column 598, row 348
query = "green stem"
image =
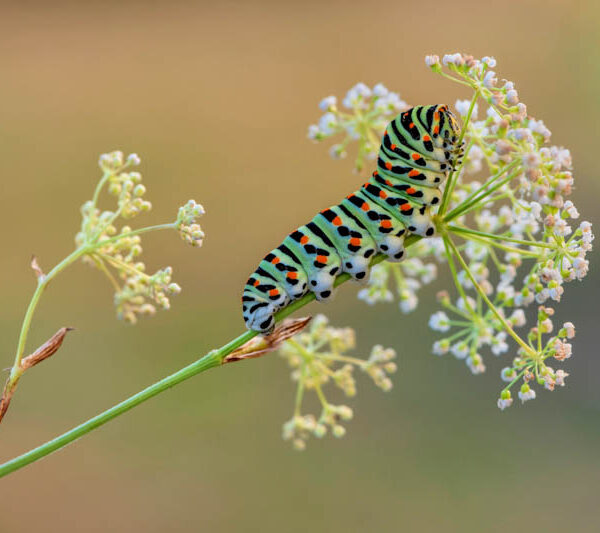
column 99, row 187
column 459, row 229
column 104, row 242
column 482, row 192
column 492, row 307
column 510, row 249
column 43, row 282
column 454, row 174
column 210, row 360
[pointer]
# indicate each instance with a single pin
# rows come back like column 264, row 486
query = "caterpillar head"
column 449, row 127
column 449, row 131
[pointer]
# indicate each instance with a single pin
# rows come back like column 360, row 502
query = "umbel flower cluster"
column 116, row 251
column 318, row 357
column 509, row 233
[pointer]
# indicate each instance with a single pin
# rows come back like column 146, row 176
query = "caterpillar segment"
column 418, row 150
column 351, row 239
column 318, row 257
column 387, row 231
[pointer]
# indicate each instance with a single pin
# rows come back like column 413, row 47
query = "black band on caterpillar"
column 418, row 149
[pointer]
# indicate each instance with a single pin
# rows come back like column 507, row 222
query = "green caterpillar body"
column 419, row 148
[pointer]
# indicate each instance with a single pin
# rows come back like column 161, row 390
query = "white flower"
column 503, row 404
column 432, row 60
column 538, row 126
column 408, row 301
column 441, row 347
column 570, row 209
column 563, row 349
column 489, row 61
column 569, row 329
column 490, row 80
column 512, row 97
column 526, row 393
column 380, row 90
column 560, row 376
column 453, row 59
column 313, row 131
column 460, row 350
column 439, row 321
column 475, row 364
column 328, row 123
column 327, row 103
column 462, row 106
column 465, row 306
column 508, row 374
column 499, row 344
column 337, row 151
column 356, row 96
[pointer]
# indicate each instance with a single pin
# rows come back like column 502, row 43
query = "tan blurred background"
column 216, row 98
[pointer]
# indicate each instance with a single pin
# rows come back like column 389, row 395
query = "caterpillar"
column 419, row 147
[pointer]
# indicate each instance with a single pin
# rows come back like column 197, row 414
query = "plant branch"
column 210, row 360
column 489, row 303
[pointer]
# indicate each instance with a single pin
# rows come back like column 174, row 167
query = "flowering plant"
column 505, row 228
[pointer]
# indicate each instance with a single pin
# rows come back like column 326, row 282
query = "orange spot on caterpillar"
column 436, row 129
column 337, row 221
column 382, row 194
column 273, row 292
column 388, row 165
column 405, row 207
column 388, row 182
column 426, row 138
column 411, row 190
column 375, row 173
column 436, row 116
column 275, row 260
column 415, row 156
column 413, row 173
column 355, row 241
column 292, row 275
column 386, row 224
column 256, row 283
column 304, row 239
column 411, row 125
column 322, row 258
column 365, row 206
column 393, row 146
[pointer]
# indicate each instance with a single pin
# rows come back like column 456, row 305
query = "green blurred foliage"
column 216, row 98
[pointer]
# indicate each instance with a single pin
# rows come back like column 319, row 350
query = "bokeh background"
column 216, row 97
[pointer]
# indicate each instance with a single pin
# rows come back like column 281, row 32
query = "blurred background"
column 178, row 82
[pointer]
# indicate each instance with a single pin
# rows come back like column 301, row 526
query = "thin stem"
column 117, row 263
column 519, row 376
column 100, row 185
column 210, row 360
column 128, row 234
column 454, row 273
column 492, row 307
column 26, row 325
column 459, row 229
column 482, row 193
column 510, row 249
column 300, row 392
column 100, row 264
column 454, row 174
